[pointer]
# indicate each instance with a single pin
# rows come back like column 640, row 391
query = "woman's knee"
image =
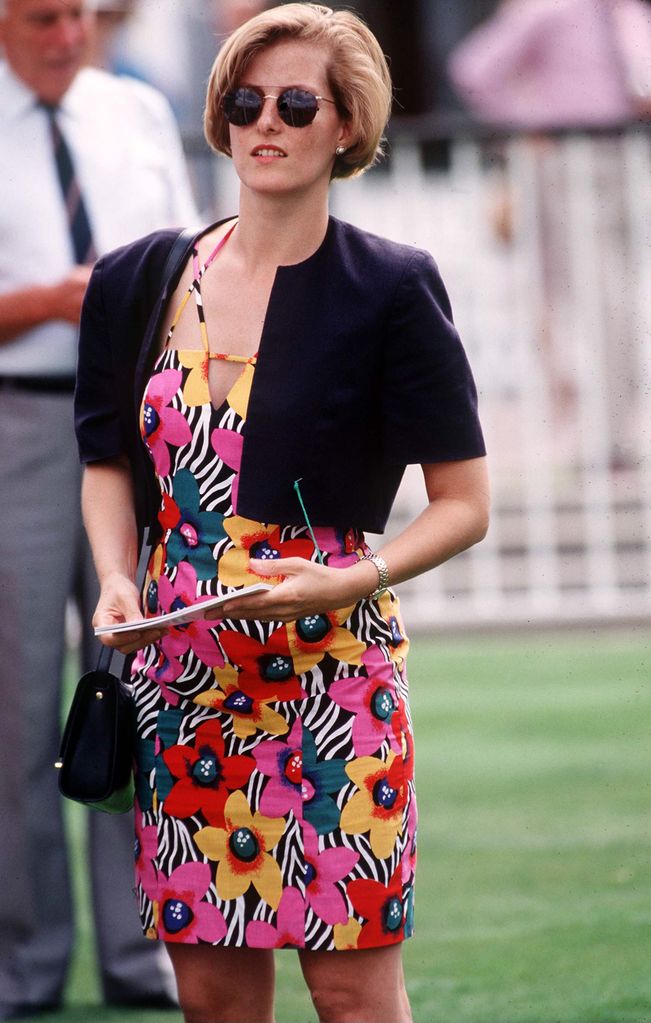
column 339, row 1004
column 357, row 987
column 218, row 985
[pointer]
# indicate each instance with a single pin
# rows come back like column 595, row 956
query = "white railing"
column 556, row 321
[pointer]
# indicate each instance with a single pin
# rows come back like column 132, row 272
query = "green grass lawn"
column 534, row 891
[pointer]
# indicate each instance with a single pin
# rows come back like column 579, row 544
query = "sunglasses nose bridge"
column 268, row 111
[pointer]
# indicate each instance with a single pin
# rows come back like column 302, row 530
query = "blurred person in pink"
column 548, row 64
column 544, row 68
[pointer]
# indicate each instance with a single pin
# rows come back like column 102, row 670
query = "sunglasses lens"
column 242, row 106
column 297, row 107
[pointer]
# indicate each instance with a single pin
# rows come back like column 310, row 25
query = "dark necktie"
column 80, row 233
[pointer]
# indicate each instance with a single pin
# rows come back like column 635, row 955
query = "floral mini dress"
column 275, row 801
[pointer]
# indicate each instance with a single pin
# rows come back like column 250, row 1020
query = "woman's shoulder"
column 139, row 267
column 357, row 244
column 151, row 249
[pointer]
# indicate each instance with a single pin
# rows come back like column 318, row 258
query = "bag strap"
column 175, row 257
column 104, row 659
column 178, row 251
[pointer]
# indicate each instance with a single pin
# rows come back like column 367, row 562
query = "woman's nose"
column 269, row 116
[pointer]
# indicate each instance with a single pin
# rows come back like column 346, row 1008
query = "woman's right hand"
column 120, row 602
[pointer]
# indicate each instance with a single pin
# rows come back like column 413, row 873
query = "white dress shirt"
column 130, row 167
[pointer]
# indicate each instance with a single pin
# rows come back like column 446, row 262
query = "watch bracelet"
column 383, row 574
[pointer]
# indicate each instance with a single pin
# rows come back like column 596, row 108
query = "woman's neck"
column 279, row 232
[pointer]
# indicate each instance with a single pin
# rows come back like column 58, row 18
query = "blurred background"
column 519, row 156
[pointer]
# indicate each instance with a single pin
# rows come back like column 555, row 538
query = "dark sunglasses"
column 296, row 107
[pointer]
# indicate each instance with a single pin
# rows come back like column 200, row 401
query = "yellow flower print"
column 257, row 540
column 346, row 935
column 377, row 807
column 247, row 713
column 241, row 849
column 195, row 389
column 226, row 676
column 398, row 642
column 312, row 637
column 238, row 396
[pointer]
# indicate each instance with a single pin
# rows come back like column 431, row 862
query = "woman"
column 296, row 368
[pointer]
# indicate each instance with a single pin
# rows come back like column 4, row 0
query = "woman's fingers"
column 306, row 588
column 129, row 642
column 118, row 603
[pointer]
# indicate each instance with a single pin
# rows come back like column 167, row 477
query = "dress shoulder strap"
column 195, row 288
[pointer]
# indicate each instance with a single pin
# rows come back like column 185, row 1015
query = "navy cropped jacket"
column 360, row 372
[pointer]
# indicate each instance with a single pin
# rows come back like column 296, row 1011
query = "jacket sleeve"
column 429, row 409
column 97, row 418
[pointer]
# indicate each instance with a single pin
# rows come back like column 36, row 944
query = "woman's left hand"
column 306, row 588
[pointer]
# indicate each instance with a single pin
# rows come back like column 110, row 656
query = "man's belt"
column 40, row 384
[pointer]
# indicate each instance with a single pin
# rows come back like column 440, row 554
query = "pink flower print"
column 197, row 635
column 290, row 925
column 165, row 669
column 182, row 916
column 160, row 424
column 145, row 851
column 373, row 700
column 322, row 871
column 341, row 547
column 282, row 762
column 228, row 446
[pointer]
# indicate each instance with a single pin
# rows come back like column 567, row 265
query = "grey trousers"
column 43, row 562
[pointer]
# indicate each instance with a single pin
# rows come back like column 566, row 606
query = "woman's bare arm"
column 109, row 516
column 455, row 518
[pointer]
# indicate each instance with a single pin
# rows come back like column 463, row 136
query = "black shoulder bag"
column 97, row 747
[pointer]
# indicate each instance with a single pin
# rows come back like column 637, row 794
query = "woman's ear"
column 345, row 139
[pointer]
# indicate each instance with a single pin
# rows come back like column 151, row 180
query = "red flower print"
column 206, row 775
column 267, row 669
column 383, row 908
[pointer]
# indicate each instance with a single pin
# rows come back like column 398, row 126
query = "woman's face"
column 271, row 157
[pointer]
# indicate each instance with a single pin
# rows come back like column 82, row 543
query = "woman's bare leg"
column 224, row 985
column 365, row 986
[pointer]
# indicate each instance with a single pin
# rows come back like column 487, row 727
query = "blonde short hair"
column 357, row 74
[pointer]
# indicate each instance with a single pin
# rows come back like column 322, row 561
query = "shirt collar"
column 17, row 99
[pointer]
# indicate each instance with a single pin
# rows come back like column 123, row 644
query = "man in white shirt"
column 127, row 171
